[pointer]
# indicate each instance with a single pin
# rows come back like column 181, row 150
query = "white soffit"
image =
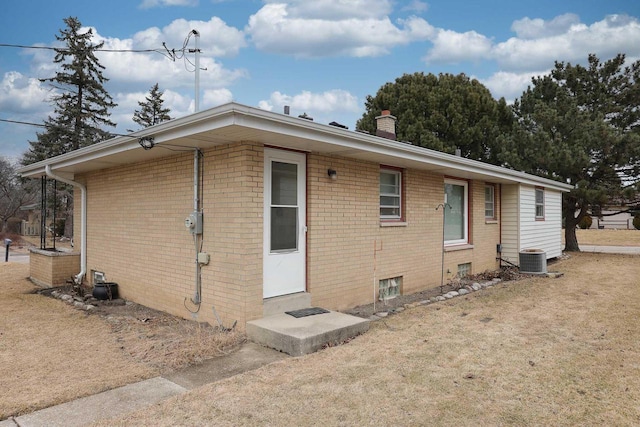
column 235, row 123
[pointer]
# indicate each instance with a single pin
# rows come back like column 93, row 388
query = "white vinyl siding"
column 520, row 230
column 509, row 221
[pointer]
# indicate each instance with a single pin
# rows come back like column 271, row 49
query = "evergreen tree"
column 580, row 125
column 81, row 104
column 151, row 111
column 443, row 113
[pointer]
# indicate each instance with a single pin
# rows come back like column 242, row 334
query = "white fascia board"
column 233, row 114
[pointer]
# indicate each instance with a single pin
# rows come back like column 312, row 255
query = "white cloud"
column 324, row 107
column 509, row 85
column 215, row 97
column 539, row 43
column 335, row 9
column 20, row 94
column 299, row 29
column 615, row 33
column 451, row 47
column 527, row 28
column 148, row 4
column 416, row 6
column 152, row 67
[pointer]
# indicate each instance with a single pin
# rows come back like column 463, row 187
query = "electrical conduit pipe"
column 83, row 221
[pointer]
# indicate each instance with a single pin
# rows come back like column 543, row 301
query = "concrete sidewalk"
column 626, row 250
column 123, row 400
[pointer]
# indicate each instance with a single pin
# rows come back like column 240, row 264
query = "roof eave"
column 300, row 134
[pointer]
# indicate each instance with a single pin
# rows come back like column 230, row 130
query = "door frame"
column 299, row 264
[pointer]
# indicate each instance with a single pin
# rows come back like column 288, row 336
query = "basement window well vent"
column 464, row 269
column 98, row 277
column 389, row 288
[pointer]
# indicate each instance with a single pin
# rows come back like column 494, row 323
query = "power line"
column 23, row 123
column 21, row 46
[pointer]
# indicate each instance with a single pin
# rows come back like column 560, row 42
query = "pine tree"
column 151, row 111
column 442, row 113
column 81, row 103
column 581, row 125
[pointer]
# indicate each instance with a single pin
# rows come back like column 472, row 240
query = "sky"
column 320, row 57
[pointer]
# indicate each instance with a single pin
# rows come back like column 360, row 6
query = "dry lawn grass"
column 540, row 351
column 608, row 237
column 52, row 353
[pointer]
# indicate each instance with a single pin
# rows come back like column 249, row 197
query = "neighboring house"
column 285, row 206
column 616, row 218
column 31, row 226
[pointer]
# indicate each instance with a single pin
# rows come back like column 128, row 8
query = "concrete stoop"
column 304, row 335
column 291, row 302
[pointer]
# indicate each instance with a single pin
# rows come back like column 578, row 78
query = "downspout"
column 83, row 221
column 196, row 237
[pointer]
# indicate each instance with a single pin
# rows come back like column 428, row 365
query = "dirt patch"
column 153, row 337
column 52, row 352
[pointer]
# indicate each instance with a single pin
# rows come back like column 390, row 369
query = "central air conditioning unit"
column 533, row 261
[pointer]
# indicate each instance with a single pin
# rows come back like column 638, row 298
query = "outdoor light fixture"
column 146, row 142
column 332, row 174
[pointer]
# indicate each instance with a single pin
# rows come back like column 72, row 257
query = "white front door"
column 284, row 222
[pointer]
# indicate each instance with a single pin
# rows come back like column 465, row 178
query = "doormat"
column 306, row 312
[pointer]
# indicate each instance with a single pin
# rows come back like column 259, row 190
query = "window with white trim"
column 489, row 202
column 390, row 194
column 539, row 203
column 456, row 212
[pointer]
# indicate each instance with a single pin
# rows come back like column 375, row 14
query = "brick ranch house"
column 277, row 205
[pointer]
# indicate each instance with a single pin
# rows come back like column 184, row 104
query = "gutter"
column 83, row 221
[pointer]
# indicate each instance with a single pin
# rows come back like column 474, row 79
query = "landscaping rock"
column 476, row 286
column 425, row 302
column 463, row 292
column 382, row 314
column 440, row 298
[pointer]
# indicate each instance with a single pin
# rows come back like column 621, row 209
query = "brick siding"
column 137, row 237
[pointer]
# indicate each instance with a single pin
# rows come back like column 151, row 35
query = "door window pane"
column 284, row 227
column 284, row 184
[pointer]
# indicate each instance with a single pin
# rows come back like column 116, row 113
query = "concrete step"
column 291, row 302
column 304, row 335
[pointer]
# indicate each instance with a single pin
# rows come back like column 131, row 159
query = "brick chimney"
column 386, row 125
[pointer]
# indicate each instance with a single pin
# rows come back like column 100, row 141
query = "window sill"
column 454, row 248
column 490, row 221
column 393, row 223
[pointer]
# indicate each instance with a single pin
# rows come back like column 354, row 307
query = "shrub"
column 585, row 222
column 636, row 222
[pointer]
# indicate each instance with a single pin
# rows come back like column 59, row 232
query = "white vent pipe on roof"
column 83, row 221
